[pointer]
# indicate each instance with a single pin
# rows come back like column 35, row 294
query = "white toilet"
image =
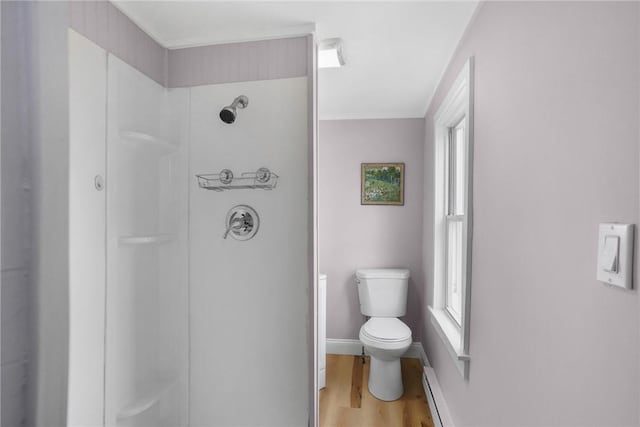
column 383, row 297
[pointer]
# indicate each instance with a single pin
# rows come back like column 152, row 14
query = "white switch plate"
column 624, row 262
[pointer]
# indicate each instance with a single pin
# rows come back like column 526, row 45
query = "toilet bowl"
column 385, row 339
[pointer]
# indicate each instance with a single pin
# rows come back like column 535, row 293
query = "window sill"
column 449, row 332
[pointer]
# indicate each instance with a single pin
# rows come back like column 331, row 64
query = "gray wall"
column 49, row 136
column 238, row 62
column 101, row 22
column 16, row 221
column 556, row 153
column 353, row 236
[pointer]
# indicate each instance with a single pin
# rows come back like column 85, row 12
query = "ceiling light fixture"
column 330, row 53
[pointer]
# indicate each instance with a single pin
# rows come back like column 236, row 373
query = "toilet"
column 383, row 297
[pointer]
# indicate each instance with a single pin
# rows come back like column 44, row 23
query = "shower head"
column 228, row 113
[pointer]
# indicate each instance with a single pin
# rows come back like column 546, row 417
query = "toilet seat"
column 387, row 329
column 385, row 332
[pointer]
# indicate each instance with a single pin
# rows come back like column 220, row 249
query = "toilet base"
column 385, row 379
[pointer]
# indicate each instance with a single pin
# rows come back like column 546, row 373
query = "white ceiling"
column 395, row 52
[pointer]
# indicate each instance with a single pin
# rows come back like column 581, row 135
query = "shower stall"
column 129, row 288
column 191, row 260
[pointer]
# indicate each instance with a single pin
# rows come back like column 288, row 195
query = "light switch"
column 610, row 254
column 615, row 254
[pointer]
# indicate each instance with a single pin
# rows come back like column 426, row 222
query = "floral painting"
column 382, row 184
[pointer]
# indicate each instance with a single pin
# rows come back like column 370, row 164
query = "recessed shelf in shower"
column 262, row 179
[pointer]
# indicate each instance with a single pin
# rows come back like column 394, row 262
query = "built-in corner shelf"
column 150, row 396
column 154, row 239
column 140, row 140
column 262, row 179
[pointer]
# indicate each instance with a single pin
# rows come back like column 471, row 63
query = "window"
column 452, row 224
column 454, row 218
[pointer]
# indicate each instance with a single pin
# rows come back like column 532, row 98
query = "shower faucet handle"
column 236, row 224
column 242, row 222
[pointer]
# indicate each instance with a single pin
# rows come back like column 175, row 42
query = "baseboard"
column 344, row 346
column 354, row 347
column 417, row 351
column 437, row 405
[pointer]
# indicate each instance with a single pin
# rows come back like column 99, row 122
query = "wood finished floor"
column 346, row 401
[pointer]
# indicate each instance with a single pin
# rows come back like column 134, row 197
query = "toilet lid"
column 387, row 329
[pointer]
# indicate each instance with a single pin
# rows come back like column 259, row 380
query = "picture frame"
column 382, row 184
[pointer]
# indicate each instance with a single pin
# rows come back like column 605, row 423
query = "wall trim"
column 422, row 355
column 302, row 30
column 344, row 346
column 455, row 51
column 354, row 348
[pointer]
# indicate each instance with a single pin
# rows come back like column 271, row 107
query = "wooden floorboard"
column 346, row 401
column 356, row 382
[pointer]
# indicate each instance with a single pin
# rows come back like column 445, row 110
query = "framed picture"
column 382, row 184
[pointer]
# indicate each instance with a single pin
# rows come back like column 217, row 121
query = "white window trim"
column 457, row 104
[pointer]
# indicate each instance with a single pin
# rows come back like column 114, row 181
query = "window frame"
column 457, row 105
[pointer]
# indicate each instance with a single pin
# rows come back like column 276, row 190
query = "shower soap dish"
column 262, row 179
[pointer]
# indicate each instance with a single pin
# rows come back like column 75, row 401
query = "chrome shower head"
column 228, row 113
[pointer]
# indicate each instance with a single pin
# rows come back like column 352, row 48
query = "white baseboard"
column 344, row 346
column 354, row 347
column 417, row 351
column 437, row 405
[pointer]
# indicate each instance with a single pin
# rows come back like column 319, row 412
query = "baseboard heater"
column 437, row 405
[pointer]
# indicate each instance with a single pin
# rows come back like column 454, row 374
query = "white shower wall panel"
column 249, row 319
column 87, row 216
column 147, row 280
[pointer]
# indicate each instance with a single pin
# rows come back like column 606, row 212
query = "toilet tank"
column 383, row 292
